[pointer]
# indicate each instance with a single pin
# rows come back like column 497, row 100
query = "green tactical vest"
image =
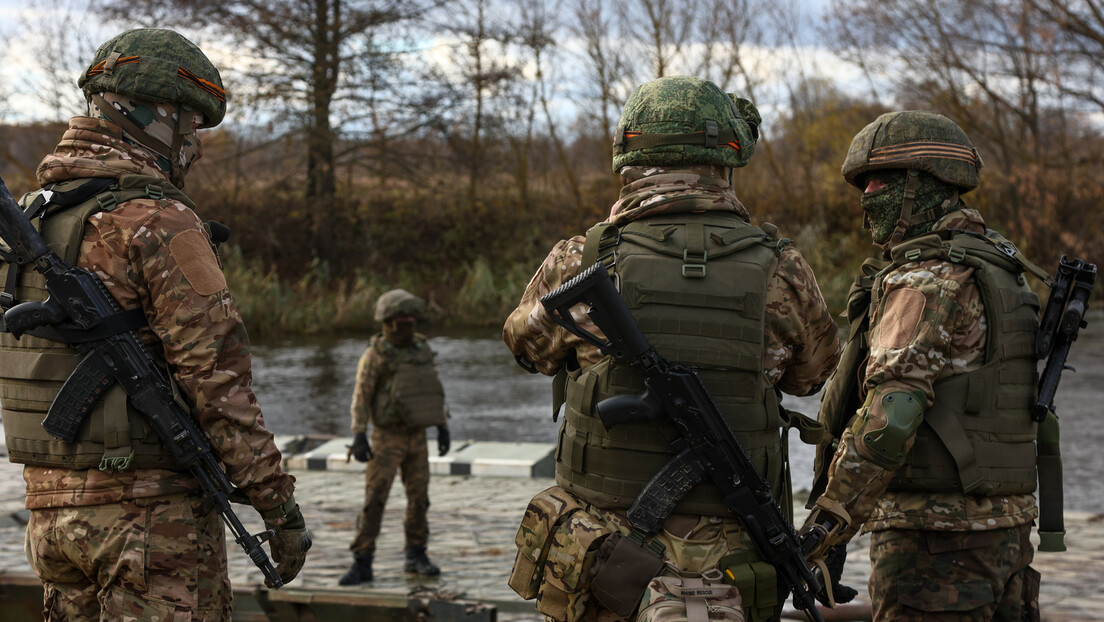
column 33, row 369
column 978, row 437
column 411, row 394
column 696, row 283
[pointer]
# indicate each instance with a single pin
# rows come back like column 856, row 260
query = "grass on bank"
column 319, row 303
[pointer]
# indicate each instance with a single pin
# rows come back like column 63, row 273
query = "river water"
column 305, row 384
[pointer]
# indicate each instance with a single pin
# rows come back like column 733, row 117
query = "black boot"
column 360, row 572
column 418, row 563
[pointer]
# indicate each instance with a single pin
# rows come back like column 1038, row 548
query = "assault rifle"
column 1061, row 320
column 79, row 301
column 706, row 447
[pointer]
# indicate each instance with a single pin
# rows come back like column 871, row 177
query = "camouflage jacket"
column 802, row 342
column 948, row 339
column 155, row 254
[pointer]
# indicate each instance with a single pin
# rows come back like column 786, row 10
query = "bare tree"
column 301, row 58
column 666, row 31
column 1079, row 26
column 537, row 29
column 608, row 73
column 59, row 47
column 485, row 73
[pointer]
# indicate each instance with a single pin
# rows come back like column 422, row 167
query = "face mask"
column 883, row 206
column 399, row 331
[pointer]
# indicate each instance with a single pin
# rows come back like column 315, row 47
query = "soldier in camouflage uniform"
column 932, row 402
column 710, row 290
column 116, row 531
column 398, row 391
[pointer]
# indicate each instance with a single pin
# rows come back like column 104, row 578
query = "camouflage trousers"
column 941, row 575
column 395, row 451
column 156, row 558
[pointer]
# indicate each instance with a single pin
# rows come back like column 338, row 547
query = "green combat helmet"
column 399, row 302
column 913, row 141
column 160, row 66
column 682, row 120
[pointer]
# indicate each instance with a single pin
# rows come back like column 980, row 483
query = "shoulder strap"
column 599, row 238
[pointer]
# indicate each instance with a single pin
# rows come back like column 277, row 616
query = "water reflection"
column 305, row 385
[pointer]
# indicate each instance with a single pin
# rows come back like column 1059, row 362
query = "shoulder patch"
column 903, row 310
column 192, row 252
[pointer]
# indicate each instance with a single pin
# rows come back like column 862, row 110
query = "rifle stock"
column 79, row 299
column 675, row 392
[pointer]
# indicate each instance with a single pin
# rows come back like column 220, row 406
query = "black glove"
column 841, row 593
column 361, row 451
column 443, row 440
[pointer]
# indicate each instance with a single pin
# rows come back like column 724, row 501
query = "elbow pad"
column 883, row 434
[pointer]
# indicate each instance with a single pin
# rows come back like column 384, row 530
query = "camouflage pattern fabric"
column 678, row 599
column 883, row 206
column 801, row 341
column 159, row 121
column 802, row 344
column 926, row 575
column 930, row 326
column 155, row 254
column 395, row 451
column 151, row 558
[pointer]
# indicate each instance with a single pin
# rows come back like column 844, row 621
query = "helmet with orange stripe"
column 913, row 139
column 681, row 120
column 160, row 66
column 921, row 161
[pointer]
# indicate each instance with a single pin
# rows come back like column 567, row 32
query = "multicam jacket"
column 802, row 343
column 930, row 327
column 155, row 254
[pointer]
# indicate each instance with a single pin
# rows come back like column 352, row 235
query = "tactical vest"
column 696, row 284
column 978, row 437
column 410, row 394
column 33, row 368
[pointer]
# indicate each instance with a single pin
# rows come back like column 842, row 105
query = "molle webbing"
column 696, row 284
column 411, row 394
column 33, row 368
column 979, row 436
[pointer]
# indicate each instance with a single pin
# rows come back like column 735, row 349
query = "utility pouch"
column 565, row 590
column 534, row 537
column 756, row 581
column 702, row 598
column 623, row 575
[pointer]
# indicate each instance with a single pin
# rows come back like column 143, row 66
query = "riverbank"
column 474, row 518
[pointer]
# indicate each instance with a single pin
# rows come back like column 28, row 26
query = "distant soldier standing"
column 933, row 400
column 399, row 393
column 710, row 290
column 117, row 530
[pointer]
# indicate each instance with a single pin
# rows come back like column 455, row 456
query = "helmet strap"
column 904, row 220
